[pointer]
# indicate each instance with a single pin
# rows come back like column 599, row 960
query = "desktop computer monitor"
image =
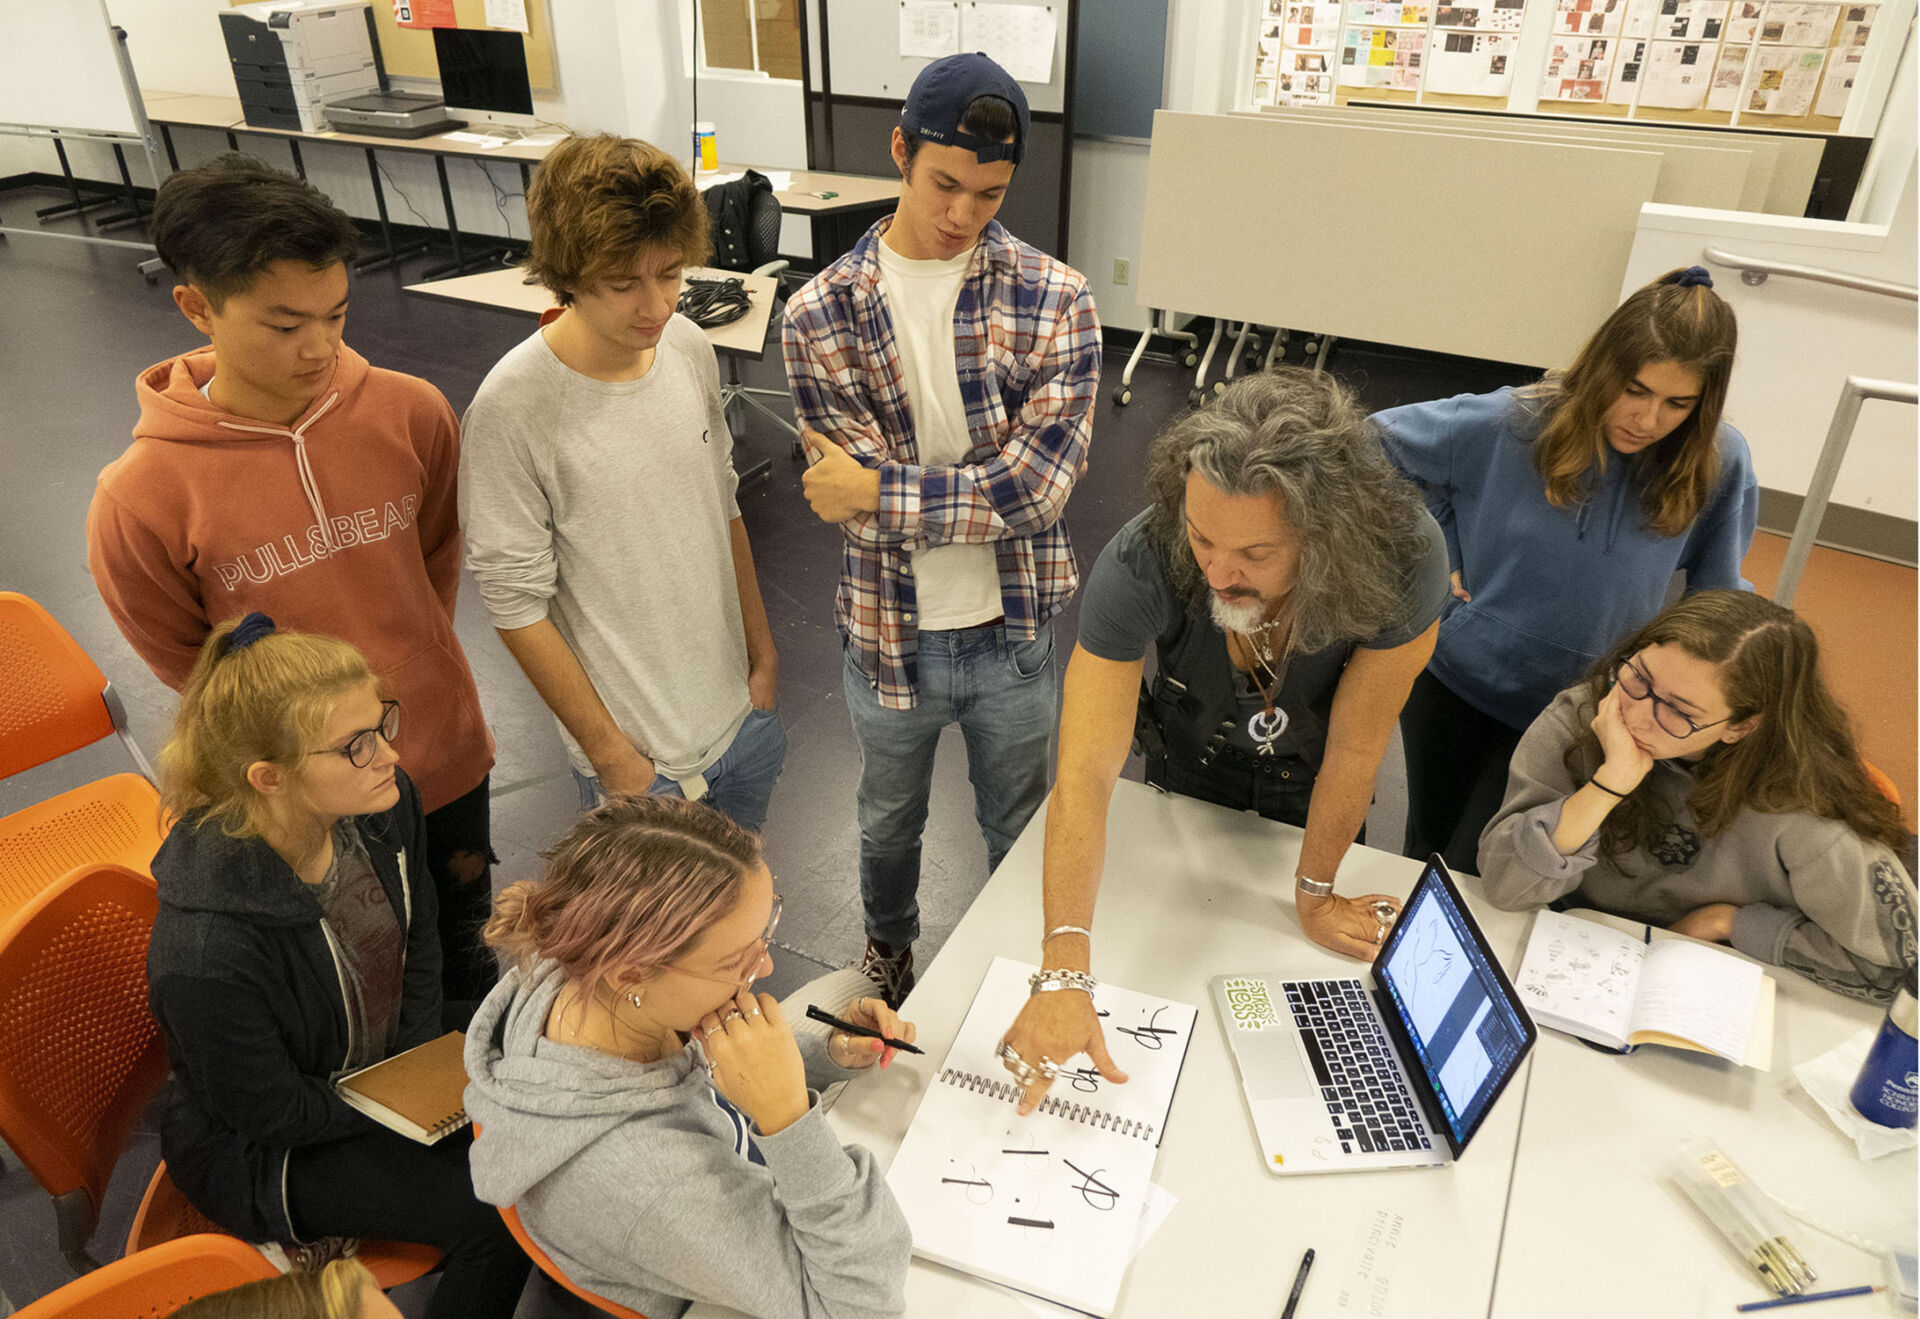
column 483, row 76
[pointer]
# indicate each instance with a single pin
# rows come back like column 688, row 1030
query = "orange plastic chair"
column 156, row 1282
column 54, row 700
column 552, row 1270
column 166, row 1215
column 80, row 1055
column 1878, row 778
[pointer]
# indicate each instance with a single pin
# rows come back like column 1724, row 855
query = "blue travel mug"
column 1888, row 1090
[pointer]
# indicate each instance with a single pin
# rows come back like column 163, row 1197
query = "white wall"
column 1799, row 340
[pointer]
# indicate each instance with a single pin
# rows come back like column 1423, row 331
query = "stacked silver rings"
column 1024, row 1072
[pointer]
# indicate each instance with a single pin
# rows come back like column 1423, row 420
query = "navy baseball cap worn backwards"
column 940, row 97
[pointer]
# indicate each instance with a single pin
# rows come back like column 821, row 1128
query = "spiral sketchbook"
column 1048, row 1203
column 420, row 1093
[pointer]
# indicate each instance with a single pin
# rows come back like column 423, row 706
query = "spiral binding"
column 1085, row 1114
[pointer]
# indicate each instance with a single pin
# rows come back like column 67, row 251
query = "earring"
column 635, row 1000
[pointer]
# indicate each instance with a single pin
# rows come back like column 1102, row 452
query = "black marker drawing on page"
column 1094, row 1191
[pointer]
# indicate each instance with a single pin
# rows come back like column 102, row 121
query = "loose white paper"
column 1829, row 1079
column 1019, row 38
column 1160, row 1203
column 929, row 29
column 510, row 14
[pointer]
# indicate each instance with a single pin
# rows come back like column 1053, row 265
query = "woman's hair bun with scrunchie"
column 1690, row 277
column 247, row 631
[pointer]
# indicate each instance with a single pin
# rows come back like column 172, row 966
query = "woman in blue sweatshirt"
column 1568, row 507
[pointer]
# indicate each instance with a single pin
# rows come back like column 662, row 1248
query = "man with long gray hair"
column 1290, row 583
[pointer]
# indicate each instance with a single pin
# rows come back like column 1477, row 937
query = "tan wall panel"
column 1390, row 235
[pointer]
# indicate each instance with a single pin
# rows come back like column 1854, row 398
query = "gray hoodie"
column 1812, row 894
column 645, row 1189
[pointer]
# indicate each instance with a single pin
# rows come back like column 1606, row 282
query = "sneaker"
column 891, row 972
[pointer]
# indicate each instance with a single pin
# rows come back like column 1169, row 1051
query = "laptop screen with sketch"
column 1340, row 1077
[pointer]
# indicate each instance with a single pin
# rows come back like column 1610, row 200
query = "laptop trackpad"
column 1274, row 1069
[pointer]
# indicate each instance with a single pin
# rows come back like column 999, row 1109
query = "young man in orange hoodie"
column 276, row 470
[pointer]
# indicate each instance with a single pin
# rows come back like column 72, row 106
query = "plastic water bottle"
column 1888, row 1089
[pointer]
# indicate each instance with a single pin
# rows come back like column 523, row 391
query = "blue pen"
column 1805, row 1297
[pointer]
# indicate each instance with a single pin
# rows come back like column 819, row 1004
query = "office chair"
column 762, row 258
column 166, row 1215
column 552, row 1270
column 54, row 700
column 156, row 1283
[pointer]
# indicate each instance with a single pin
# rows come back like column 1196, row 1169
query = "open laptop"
column 1340, row 1076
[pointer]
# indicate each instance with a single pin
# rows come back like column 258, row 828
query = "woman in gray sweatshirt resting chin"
column 1704, row 779
column 654, row 1121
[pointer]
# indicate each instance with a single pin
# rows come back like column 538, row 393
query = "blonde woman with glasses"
column 297, row 939
column 654, row 1121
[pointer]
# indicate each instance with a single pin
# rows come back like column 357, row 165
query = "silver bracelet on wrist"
column 1068, row 929
column 1043, row 982
column 1319, row 888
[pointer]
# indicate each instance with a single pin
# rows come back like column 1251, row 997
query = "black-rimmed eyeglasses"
column 1672, row 720
column 360, row 748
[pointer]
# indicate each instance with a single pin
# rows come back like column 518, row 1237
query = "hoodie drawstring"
column 299, row 437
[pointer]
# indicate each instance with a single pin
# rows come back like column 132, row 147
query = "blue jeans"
column 739, row 784
column 1005, row 695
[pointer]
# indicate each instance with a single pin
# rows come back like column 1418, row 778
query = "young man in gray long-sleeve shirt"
column 597, row 497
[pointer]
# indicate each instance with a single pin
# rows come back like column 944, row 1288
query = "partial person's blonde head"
column 335, row 1292
column 265, row 700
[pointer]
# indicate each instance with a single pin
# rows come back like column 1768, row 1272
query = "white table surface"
column 507, row 290
column 1192, row 891
column 1557, row 1209
column 1595, row 1228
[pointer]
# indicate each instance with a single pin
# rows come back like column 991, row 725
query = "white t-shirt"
column 957, row 585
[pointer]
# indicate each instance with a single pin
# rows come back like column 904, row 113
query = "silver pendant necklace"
column 1266, row 725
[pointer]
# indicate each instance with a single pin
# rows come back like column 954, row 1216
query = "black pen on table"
column 816, row 1014
column 1299, row 1283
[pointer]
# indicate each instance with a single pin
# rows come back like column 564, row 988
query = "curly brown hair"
column 597, row 202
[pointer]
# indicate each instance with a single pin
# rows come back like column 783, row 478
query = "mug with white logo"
column 1888, row 1089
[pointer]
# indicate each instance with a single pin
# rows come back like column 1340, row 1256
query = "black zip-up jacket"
column 245, row 977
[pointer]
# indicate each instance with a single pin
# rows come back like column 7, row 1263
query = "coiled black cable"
column 711, row 303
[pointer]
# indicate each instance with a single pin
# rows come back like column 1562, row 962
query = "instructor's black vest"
column 1188, row 707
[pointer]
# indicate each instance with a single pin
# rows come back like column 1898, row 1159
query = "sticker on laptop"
column 1249, row 1004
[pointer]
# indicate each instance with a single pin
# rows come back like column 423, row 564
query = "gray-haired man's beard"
column 1243, row 615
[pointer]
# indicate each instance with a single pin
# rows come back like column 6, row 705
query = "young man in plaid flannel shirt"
column 944, row 373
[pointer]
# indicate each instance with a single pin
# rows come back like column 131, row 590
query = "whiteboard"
column 59, row 68
column 863, row 48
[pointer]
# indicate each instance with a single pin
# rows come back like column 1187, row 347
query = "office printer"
column 291, row 57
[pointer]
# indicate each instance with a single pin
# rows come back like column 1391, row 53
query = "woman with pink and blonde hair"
column 654, row 1121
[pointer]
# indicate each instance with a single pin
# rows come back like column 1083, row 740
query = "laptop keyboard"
column 1372, row 1110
